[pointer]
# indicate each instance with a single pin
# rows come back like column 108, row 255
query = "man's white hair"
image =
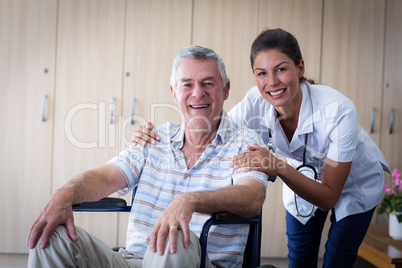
column 197, row 53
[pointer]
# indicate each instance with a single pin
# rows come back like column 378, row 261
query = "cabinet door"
column 391, row 140
column 155, row 32
column 352, row 55
column 228, row 27
column 27, row 53
column 303, row 20
column 89, row 74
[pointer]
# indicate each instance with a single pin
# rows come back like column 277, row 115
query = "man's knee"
column 59, row 243
column 59, row 234
column 184, row 257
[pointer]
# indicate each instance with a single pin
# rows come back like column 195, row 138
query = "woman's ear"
column 301, row 68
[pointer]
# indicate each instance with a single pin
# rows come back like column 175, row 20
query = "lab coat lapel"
column 305, row 122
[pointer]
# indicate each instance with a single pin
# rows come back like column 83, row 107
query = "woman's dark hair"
column 278, row 39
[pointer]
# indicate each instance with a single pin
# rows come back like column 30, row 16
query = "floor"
column 20, row 261
column 13, row 260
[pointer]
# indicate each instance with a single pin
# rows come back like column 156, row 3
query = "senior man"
column 182, row 180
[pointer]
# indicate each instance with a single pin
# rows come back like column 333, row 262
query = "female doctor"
column 331, row 162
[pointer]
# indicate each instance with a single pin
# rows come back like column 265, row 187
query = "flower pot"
column 395, row 227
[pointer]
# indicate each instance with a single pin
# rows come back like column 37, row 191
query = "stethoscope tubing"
column 304, row 165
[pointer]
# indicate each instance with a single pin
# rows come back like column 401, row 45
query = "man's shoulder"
column 242, row 134
column 167, row 130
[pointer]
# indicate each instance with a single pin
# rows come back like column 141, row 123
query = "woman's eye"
column 282, row 69
column 260, row 73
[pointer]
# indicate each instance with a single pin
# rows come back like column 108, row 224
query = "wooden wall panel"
column 228, row 27
column 352, row 56
column 90, row 49
column 27, row 73
column 392, row 92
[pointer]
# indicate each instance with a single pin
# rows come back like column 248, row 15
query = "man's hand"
column 176, row 216
column 57, row 211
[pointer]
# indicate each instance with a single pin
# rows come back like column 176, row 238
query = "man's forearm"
column 85, row 187
column 92, row 185
column 243, row 200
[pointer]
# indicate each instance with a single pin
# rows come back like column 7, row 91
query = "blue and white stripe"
column 160, row 173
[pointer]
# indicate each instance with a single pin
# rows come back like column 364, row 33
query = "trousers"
column 344, row 239
column 90, row 251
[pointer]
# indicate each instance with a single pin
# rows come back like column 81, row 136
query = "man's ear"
column 226, row 90
column 173, row 92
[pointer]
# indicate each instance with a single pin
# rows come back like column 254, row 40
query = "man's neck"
column 194, row 143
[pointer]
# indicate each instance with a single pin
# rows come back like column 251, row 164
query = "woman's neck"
column 288, row 116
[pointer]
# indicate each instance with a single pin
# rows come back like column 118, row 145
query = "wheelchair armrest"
column 107, row 204
column 224, row 218
column 272, row 178
column 231, row 218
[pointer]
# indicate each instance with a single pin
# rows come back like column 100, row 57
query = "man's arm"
column 244, row 199
column 88, row 186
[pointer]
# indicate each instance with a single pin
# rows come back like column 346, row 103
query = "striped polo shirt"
column 160, row 172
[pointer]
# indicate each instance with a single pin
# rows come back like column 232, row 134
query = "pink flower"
column 387, row 189
column 396, row 174
column 398, row 184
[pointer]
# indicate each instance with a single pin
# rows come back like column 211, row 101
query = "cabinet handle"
column 43, row 107
column 372, row 121
column 132, row 110
column 111, row 109
column 391, row 121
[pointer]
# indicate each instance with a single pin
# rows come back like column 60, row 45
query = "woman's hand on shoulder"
column 144, row 135
column 259, row 159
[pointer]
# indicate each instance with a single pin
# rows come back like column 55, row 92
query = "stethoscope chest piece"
column 308, row 171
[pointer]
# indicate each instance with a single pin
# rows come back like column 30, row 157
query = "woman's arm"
column 323, row 195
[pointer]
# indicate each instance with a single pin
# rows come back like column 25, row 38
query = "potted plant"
column 391, row 205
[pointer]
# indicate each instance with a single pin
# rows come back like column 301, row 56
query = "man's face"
column 200, row 93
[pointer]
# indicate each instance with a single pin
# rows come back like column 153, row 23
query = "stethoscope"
column 303, row 168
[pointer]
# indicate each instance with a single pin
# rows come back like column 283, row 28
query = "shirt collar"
column 305, row 122
column 304, row 125
column 222, row 135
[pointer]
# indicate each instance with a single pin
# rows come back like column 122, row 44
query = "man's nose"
column 198, row 91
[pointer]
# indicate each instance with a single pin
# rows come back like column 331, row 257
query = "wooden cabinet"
column 88, row 101
column 392, row 93
column 155, row 32
column 27, row 72
column 228, row 27
column 352, row 55
column 304, row 20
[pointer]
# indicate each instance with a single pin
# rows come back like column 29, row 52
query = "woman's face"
column 277, row 78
